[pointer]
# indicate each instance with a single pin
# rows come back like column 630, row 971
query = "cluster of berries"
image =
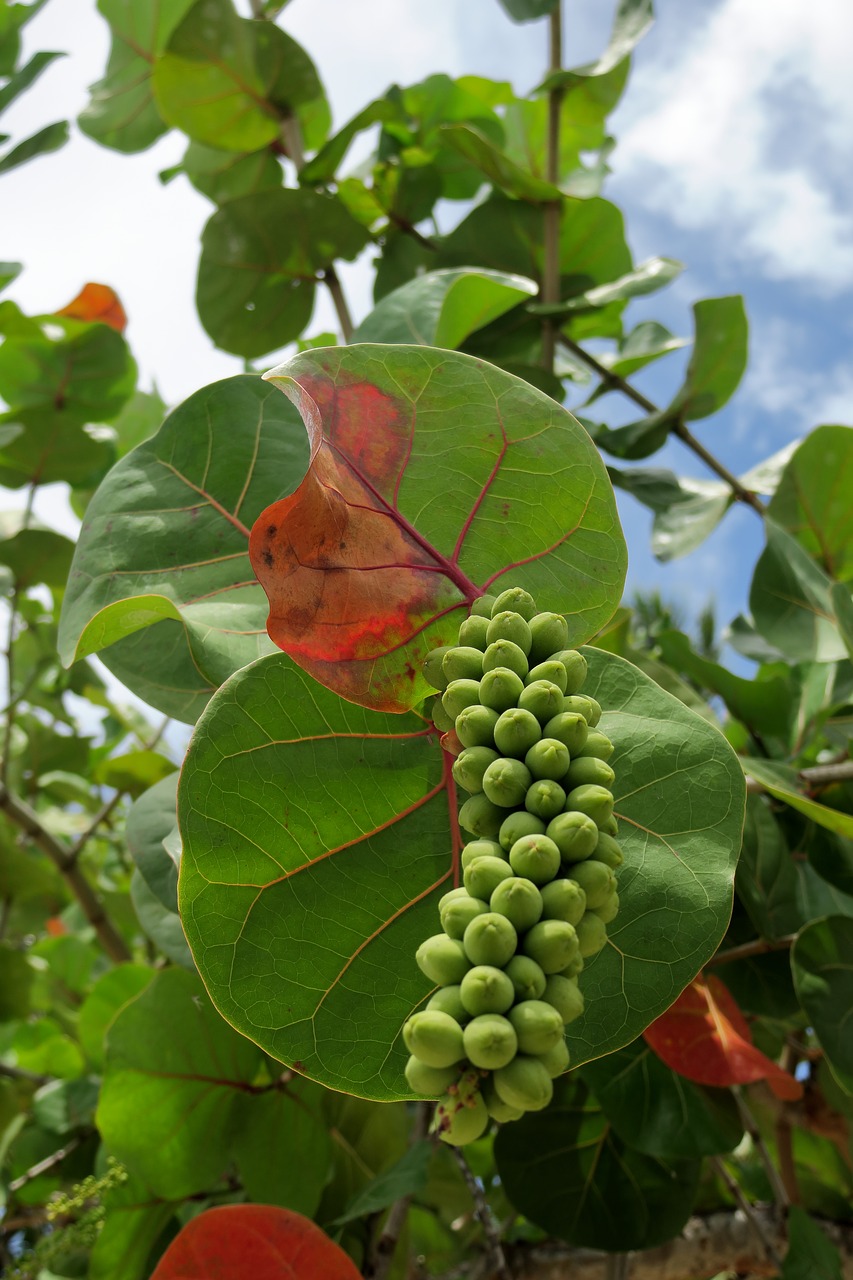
column 539, row 884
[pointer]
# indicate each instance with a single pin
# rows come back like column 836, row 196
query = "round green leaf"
column 441, row 308
column 812, row 499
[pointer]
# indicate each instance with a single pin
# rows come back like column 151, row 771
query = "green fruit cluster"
column 538, row 871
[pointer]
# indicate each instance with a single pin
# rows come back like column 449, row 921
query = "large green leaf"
column 812, row 500
column 496, row 166
column 761, row 705
column 283, row 1121
column 686, row 510
column 822, row 965
column 441, row 308
column 781, row 781
column 69, row 371
column 33, row 552
column 810, row 1255
column 133, row 1222
column 261, row 255
column 227, row 175
column 318, row 836
column 791, row 601
column 568, row 1172
column 165, row 546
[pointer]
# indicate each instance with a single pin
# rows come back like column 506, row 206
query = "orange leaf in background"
column 705, row 1037
column 233, row 1242
column 55, row 927
column 97, row 302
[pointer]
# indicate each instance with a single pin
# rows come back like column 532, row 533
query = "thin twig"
column 20, row 1073
column 382, row 1255
column 616, row 383
column 483, row 1214
column 780, row 1193
column 49, row 1162
column 818, row 775
column 785, row 1134
column 736, row 1191
column 333, row 284
column 758, row 947
column 550, row 292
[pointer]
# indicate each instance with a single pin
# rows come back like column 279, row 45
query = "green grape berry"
column 490, row 939
column 516, row 599
column 435, row 1038
column 480, row 849
column 561, row 900
column 475, row 726
column 524, row 1083
column 549, row 634
column 518, row 824
column 608, row 910
column 449, row 1000
column 527, row 978
column 576, row 668
column 458, row 914
column 500, row 689
column 516, row 731
column 504, row 653
column 536, row 858
column 433, row 673
column 548, row 758
column 597, row 881
column 573, row 968
column 460, row 694
column 538, row 1026
column 473, row 630
column 610, row 827
column 519, row 900
column 592, row 934
column 486, row 989
column 597, row 744
column 431, row 1082
column 595, row 802
column 553, row 944
column 461, row 1119
column 556, row 1060
column 508, row 625
column 565, row 996
column 482, row 607
column 589, row 770
column 505, row 782
column 490, row 1041
column 483, row 875
column 470, row 766
column 442, row 960
column 479, row 816
column 585, row 706
column 495, row 1105
column 607, row 850
column 575, row 835
column 545, row 799
column 462, row 662
column 570, row 728
column 460, row 892
column 553, row 672
column 543, row 699
column 440, row 718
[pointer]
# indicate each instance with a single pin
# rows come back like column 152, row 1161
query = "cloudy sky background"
column 733, row 156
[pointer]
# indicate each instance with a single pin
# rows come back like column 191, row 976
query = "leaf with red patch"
column 705, row 1037
column 234, row 1240
column 433, row 477
column 97, row 302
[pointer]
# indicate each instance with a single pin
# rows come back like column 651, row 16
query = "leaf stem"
column 382, row 1255
column 550, row 292
column 49, row 1162
column 758, row 947
column 780, row 1193
column 483, row 1214
column 824, row 774
column 736, row 1191
column 785, row 1135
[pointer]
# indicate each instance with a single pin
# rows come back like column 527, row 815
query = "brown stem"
column 780, row 1193
column 818, row 775
column 20, row 1073
column 550, row 292
column 382, row 1256
column 614, row 382
column 27, row 821
column 333, row 284
column 483, row 1214
column 747, row 1209
column 785, row 1136
column 758, row 947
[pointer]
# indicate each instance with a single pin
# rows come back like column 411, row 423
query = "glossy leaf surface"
column 781, row 781
column 441, row 308
column 791, row 601
column 812, row 500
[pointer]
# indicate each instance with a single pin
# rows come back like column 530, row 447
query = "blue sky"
column 733, row 157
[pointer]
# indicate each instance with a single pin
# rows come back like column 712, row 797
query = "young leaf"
column 405, row 1178
column 369, row 563
column 648, row 277
column 27, row 75
column 791, row 601
column 718, row 360
column 781, row 781
column 822, row 965
column 441, row 308
column 705, row 1037
column 51, row 138
column 632, row 21
column 647, row 342
column 812, row 499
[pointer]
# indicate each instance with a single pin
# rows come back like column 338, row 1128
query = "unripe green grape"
column 548, row 758
column 486, row 989
column 576, row 668
column 590, row 771
column 462, row 662
column 473, row 632
column 457, row 915
column 538, row 1026
column 556, row 1060
column 431, row 1082
column 519, row 900
column 553, row 672
column 516, row 599
column 479, row 816
column 527, row 977
column 490, row 1041
column 573, row 968
column 596, row 802
column 435, row 1038
column 516, row 731
column 549, row 635
column 607, row 851
column 524, row 1083
column 518, row 824
column 460, row 694
column 439, row 716
column 575, row 835
column 475, row 726
column 570, row 728
column 451, row 896
column 505, row 782
column 482, row 607
column 460, row 1120
column 551, row 943
column 483, row 875
column 592, row 935
column 597, row 744
column 495, row 1105
column 449, row 1000
column 490, row 939
column 443, row 960
column 609, row 909
column 585, row 706
column 543, row 699
column 480, row 849
column 565, row 995
column 610, row 827
column 596, row 880
column 536, row 858
column 561, row 900
column 470, row 766
column 545, row 799
column 433, row 673
column 503, row 653
column 500, row 689
column 508, row 625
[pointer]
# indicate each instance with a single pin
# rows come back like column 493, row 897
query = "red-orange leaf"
column 233, row 1242
column 97, row 302
column 705, row 1037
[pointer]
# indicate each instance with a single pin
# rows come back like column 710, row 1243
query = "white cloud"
column 742, row 126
